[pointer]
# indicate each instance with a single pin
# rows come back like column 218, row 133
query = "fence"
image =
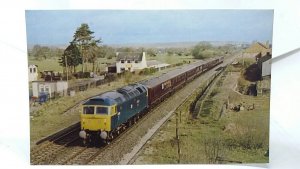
column 85, row 85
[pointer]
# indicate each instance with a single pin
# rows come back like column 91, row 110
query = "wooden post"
column 177, row 138
column 67, row 68
column 178, row 148
column 180, row 117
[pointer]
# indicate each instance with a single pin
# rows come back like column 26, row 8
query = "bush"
column 213, row 148
column 248, row 133
column 214, row 92
column 242, row 85
column 148, row 71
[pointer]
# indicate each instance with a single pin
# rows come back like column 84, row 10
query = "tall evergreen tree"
column 71, row 57
column 84, row 39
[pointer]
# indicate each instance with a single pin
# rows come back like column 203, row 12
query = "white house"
column 50, row 87
column 32, row 73
column 130, row 61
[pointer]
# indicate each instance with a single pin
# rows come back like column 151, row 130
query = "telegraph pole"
column 177, row 138
column 66, row 60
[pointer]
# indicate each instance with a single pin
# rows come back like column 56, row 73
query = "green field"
column 51, row 115
column 101, row 63
column 215, row 136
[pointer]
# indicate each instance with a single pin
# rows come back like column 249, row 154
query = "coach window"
column 88, row 110
column 102, row 110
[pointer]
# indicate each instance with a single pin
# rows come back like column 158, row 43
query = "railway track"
column 43, row 153
column 60, row 148
column 67, row 148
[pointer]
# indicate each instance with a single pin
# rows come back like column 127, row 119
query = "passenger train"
column 103, row 117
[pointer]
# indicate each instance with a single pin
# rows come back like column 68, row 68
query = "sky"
column 57, row 27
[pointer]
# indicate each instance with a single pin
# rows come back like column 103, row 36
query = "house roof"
column 132, row 56
column 263, row 45
column 112, row 65
column 32, row 65
column 265, row 58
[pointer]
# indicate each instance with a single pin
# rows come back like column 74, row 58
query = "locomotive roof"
column 117, row 96
column 173, row 73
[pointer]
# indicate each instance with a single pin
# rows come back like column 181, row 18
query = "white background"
column 285, row 102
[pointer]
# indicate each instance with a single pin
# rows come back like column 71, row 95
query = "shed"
column 112, row 68
column 50, row 87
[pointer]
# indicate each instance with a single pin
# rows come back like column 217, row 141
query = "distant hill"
column 175, row 44
column 153, row 45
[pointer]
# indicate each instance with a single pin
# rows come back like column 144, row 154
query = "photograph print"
column 149, row 86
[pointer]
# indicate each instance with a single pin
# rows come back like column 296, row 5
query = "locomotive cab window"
column 139, row 89
column 102, row 110
column 88, row 110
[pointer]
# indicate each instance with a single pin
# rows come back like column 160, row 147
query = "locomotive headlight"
column 103, row 134
column 82, row 134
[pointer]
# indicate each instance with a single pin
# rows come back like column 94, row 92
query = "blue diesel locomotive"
column 106, row 115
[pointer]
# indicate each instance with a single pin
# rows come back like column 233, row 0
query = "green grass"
column 48, row 64
column 172, row 59
column 49, row 118
column 237, row 136
column 53, row 64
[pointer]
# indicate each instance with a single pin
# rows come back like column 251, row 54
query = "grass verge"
column 236, row 137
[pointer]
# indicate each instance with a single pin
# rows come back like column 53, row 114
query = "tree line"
column 39, row 52
column 84, row 48
column 206, row 50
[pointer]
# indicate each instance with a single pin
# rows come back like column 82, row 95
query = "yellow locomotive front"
column 107, row 115
column 96, row 118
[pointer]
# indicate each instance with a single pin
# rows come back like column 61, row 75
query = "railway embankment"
column 227, row 128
